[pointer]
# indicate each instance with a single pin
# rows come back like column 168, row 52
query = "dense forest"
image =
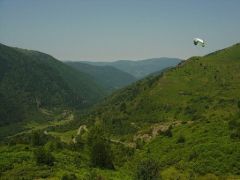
column 31, row 80
column 109, row 77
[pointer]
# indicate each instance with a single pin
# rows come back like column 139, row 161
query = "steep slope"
column 109, row 77
column 181, row 92
column 187, row 118
column 142, row 68
column 32, row 80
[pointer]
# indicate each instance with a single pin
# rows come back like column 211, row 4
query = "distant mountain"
column 32, row 80
column 141, row 68
column 109, row 77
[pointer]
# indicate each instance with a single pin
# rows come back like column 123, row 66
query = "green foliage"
column 202, row 92
column 234, row 126
column 100, row 150
column 80, row 142
column 109, row 77
column 210, row 151
column 100, row 155
column 43, row 157
column 188, row 92
column 93, row 175
column 238, row 104
column 30, row 81
column 181, row 139
column 147, row 170
column 139, row 144
column 199, row 98
column 38, row 138
column 19, row 161
column 69, row 177
column 53, row 145
column 123, row 107
column 121, row 154
column 10, row 111
column 168, row 132
column 235, row 133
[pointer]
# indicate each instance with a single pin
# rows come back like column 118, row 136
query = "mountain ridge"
column 109, row 77
column 140, row 68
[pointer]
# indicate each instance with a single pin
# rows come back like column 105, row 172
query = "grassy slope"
column 203, row 91
column 199, row 88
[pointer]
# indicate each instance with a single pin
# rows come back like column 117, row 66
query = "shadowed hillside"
column 30, row 80
column 109, row 77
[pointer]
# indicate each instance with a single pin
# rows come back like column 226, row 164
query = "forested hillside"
column 30, row 80
column 109, row 77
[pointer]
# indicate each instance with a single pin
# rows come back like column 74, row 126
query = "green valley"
column 36, row 86
column 181, row 124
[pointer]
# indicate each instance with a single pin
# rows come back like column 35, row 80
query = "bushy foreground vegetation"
column 193, row 151
column 37, row 155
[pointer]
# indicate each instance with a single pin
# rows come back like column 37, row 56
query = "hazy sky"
column 119, row 29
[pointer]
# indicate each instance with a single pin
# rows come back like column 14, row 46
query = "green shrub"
column 193, row 155
column 235, row 134
column 53, row 145
column 234, row 126
column 122, row 107
column 79, row 142
column 100, row 155
column 168, row 132
column 147, row 170
column 181, row 139
column 121, row 154
column 43, row 157
column 139, row 144
column 93, row 175
column 238, row 104
column 38, row 138
column 69, row 177
column 100, row 150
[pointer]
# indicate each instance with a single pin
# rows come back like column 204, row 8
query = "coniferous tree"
column 100, row 150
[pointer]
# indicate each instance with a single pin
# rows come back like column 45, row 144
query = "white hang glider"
column 198, row 41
